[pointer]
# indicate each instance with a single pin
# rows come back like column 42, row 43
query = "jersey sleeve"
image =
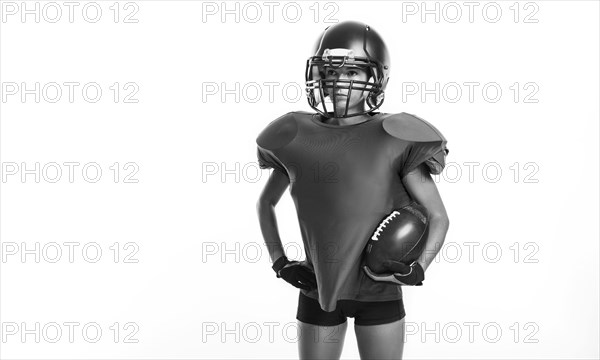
column 422, row 143
column 431, row 153
column 267, row 160
column 272, row 140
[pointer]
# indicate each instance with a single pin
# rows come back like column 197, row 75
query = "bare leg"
column 380, row 342
column 321, row 342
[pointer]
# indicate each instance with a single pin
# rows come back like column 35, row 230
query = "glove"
column 403, row 274
column 295, row 273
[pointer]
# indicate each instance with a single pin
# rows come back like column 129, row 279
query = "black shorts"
column 363, row 312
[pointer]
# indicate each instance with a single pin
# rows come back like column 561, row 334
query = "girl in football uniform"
column 347, row 166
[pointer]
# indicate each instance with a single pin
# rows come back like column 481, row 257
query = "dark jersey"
column 344, row 179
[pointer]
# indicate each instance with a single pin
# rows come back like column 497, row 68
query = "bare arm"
column 265, row 207
column 423, row 190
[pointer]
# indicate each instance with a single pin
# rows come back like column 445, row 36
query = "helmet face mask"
column 347, row 45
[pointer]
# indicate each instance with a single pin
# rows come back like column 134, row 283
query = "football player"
column 347, row 166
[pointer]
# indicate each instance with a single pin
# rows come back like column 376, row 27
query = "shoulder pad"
column 278, row 133
column 411, row 128
column 303, row 112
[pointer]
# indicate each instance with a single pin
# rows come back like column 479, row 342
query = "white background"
column 198, row 181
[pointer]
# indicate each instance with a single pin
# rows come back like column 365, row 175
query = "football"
column 400, row 236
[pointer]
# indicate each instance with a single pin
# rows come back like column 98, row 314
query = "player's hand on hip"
column 295, row 273
column 401, row 274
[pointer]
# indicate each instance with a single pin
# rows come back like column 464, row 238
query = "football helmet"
column 350, row 44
